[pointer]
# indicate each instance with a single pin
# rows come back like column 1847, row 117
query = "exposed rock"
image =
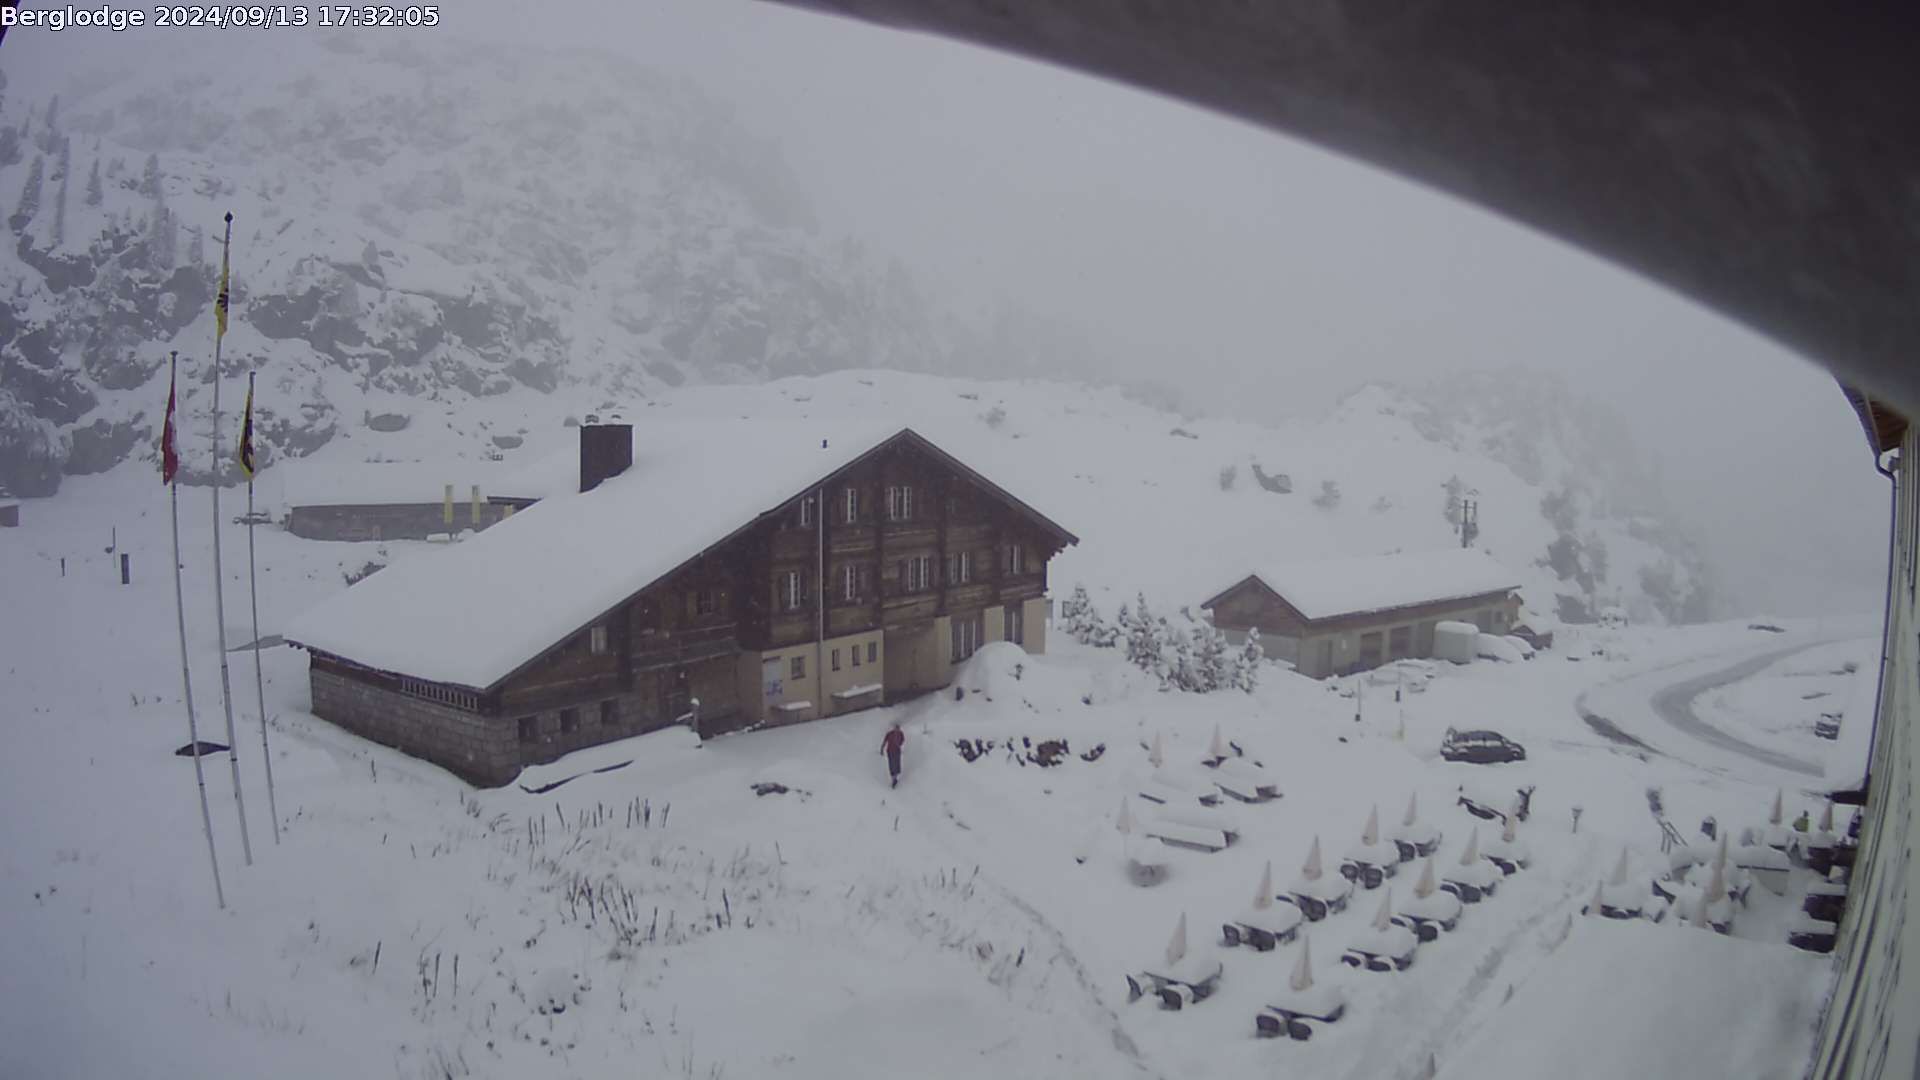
column 389, row 422
column 101, row 445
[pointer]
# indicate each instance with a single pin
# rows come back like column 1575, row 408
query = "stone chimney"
column 606, row 451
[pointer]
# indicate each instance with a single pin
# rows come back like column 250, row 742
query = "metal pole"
column 259, row 682
column 219, row 581
column 820, row 597
column 186, row 681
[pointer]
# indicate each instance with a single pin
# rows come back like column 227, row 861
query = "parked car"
column 1480, row 747
column 1828, row 726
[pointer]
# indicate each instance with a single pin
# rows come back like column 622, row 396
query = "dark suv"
column 1480, row 747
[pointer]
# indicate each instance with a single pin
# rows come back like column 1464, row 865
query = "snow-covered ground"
column 1778, row 707
column 663, row 919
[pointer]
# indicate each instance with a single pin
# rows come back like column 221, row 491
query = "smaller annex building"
column 1339, row 616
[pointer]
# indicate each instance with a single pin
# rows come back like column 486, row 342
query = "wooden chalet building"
column 1347, row 615
column 805, row 581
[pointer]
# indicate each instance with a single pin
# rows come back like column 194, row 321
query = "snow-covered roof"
column 472, row 614
column 1335, row 587
column 309, row 483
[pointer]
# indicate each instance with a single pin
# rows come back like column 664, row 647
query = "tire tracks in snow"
column 1393, row 1058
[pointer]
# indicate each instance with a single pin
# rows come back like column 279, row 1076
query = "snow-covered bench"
column 1825, row 900
column 1315, row 893
column 1387, row 944
column 1264, row 924
column 1178, row 979
column 1176, row 834
column 1173, row 789
column 1430, row 909
column 1287, row 1012
column 1245, row 781
column 1473, row 877
column 1372, row 860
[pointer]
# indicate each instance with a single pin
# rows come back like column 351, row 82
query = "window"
column 966, row 635
column 609, row 713
column 873, row 652
column 806, row 512
column 792, row 596
column 529, row 728
column 960, row 568
column 798, row 668
column 836, row 659
column 1015, row 559
column 853, row 505
column 856, row 655
column 569, row 721
column 1015, row 625
column 706, row 601
column 850, row 583
column 916, row 573
column 597, row 641
column 900, row 503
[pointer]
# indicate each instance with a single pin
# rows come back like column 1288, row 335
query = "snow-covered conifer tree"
column 29, row 203
column 1246, row 665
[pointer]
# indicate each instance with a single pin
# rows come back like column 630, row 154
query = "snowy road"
column 1674, row 704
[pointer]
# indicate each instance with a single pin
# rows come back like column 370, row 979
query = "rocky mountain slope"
column 447, row 224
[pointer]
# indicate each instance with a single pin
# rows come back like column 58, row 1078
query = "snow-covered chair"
column 1431, row 909
column 1473, row 877
column 1179, row 979
column 1508, row 852
column 1414, row 838
column 1288, row 1012
column 1265, row 924
column 1316, row 893
column 1385, row 945
column 1372, row 860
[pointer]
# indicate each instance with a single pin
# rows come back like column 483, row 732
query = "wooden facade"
column 868, row 586
column 1352, row 641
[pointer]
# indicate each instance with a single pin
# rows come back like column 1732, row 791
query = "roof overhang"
column 1884, row 426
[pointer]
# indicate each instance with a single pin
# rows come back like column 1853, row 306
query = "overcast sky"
column 1268, row 274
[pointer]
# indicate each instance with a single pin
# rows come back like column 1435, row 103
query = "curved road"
column 1674, row 703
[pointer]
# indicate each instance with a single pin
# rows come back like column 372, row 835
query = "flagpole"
column 180, row 609
column 219, row 579
column 253, row 596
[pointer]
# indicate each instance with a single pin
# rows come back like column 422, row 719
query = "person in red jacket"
column 891, row 746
